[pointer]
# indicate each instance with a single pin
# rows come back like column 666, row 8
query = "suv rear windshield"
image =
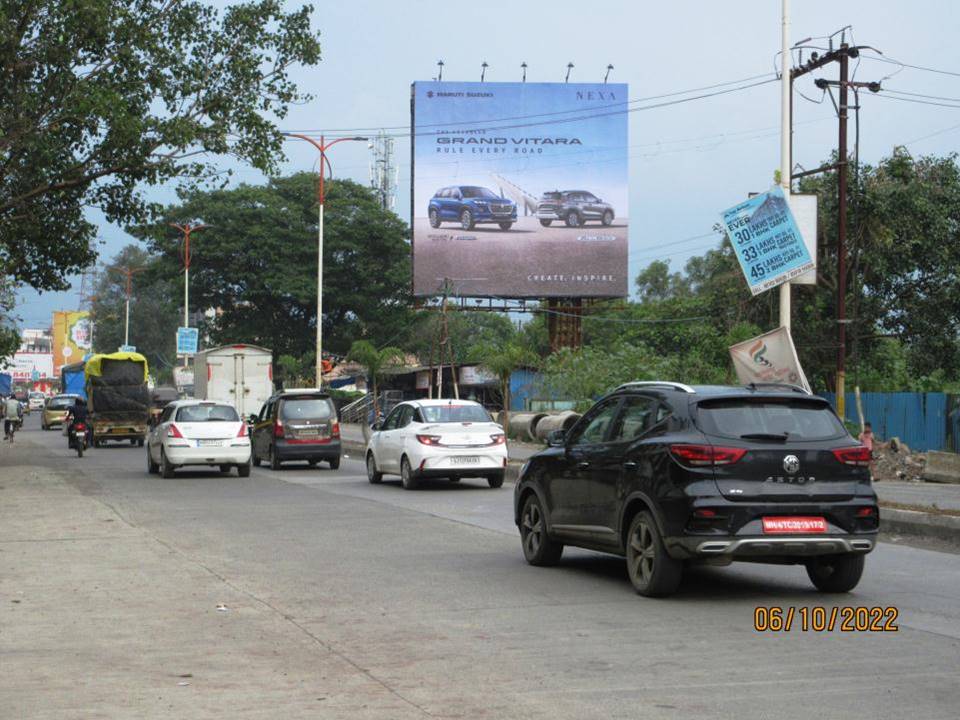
column 207, row 413
column 306, row 408
column 454, row 414
column 551, row 196
column 799, row 419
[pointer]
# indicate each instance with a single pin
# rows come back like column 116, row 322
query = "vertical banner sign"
column 767, row 241
column 770, row 357
column 520, row 189
column 71, row 337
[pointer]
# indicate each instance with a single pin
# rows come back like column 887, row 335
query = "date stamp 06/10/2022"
column 825, row 619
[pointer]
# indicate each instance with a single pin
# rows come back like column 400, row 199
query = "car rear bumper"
column 231, row 455
column 287, row 450
column 759, row 547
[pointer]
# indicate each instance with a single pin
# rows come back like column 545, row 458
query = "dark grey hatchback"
column 667, row 475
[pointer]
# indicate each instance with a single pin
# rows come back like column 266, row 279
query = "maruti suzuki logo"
column 429, row 93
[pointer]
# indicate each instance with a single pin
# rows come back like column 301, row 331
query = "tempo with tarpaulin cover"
column 117, row 397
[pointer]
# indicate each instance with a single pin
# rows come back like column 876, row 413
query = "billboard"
column 768, row 243
column 72, row 334
column 519, row 189
column 31, row 366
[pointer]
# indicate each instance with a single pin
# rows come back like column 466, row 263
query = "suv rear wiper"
column 765, row 436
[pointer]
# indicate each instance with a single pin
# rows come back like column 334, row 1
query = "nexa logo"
column 608, row 95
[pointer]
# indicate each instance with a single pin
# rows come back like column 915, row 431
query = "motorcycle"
column 78, row 438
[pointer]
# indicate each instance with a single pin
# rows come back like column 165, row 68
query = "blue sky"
column 687, row 162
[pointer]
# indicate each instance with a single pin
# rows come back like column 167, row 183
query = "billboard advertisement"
column 519, row 189
column 33, row 366
column 72, row 334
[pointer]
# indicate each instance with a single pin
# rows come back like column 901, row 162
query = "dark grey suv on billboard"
column 574, row 207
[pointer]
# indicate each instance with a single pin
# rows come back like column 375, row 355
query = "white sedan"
column 197, row 432
column 449, row 439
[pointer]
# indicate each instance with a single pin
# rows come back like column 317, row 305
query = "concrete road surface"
column 312, row 594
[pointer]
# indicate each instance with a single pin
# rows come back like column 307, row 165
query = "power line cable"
column 533, row 115
column 589, row 115
column 891, row 61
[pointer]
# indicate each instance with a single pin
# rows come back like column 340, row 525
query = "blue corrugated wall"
column 522, row 384
column 919, row 419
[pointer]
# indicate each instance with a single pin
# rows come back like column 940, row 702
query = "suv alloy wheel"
column 466, row 220
column 607, row 218
column 573, row 219
column 538, row 548
column 434, row 218
column 652, row 571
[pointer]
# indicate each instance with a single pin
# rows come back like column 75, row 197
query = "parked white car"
column 450, row 439
column 198, row 432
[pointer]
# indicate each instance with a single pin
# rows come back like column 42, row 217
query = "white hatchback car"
column 449, row 439
column 197, row 432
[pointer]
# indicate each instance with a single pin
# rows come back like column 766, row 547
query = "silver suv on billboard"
column 574, row 207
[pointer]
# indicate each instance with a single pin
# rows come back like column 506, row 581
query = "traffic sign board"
column 188, row 339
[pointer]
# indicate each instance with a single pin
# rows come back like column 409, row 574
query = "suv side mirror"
column 557, row 438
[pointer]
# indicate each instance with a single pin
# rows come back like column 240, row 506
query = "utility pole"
column 186, row 229
column 786, row 86
column 383, row 170
column 842, row 56
column 842, row 238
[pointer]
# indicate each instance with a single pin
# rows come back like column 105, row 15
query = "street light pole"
column 786, row 162
column 129, row 272
column 323, row 147
column 186, row 229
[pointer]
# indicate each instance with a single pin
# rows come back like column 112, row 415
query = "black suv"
column 574, row 207
column 667, row 474
column 296, row 425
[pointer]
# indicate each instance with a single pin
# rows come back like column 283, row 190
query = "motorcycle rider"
column 12, row 416
column 76, row 413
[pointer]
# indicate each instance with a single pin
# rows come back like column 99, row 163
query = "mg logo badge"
column 791, row 464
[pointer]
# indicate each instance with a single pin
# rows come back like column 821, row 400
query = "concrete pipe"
column 561, row 421
column 523, row 425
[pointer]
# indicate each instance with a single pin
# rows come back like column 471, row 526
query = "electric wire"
column 534, row 115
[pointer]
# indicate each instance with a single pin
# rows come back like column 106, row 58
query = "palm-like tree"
column 501, row 360
column 374, row 362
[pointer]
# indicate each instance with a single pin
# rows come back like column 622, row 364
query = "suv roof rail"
column 659, row 383
column 788, row 386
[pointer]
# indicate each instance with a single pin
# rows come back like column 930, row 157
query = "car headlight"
column 481, row 205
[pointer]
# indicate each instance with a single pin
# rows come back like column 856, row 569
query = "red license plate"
column 793, row 525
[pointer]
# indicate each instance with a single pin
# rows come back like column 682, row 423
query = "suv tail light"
column 433, row 440
column 335, row 430
column 859, row 455
column 174, row 432
column 277, row 429
column 706, row 455
column 242, row 432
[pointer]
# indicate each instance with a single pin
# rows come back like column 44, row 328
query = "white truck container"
column 241, row 375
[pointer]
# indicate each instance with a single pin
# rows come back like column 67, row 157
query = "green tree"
column 154, row 313
column 100, row 98
column 374, row 362
column 502, row 359
column 256, row 264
